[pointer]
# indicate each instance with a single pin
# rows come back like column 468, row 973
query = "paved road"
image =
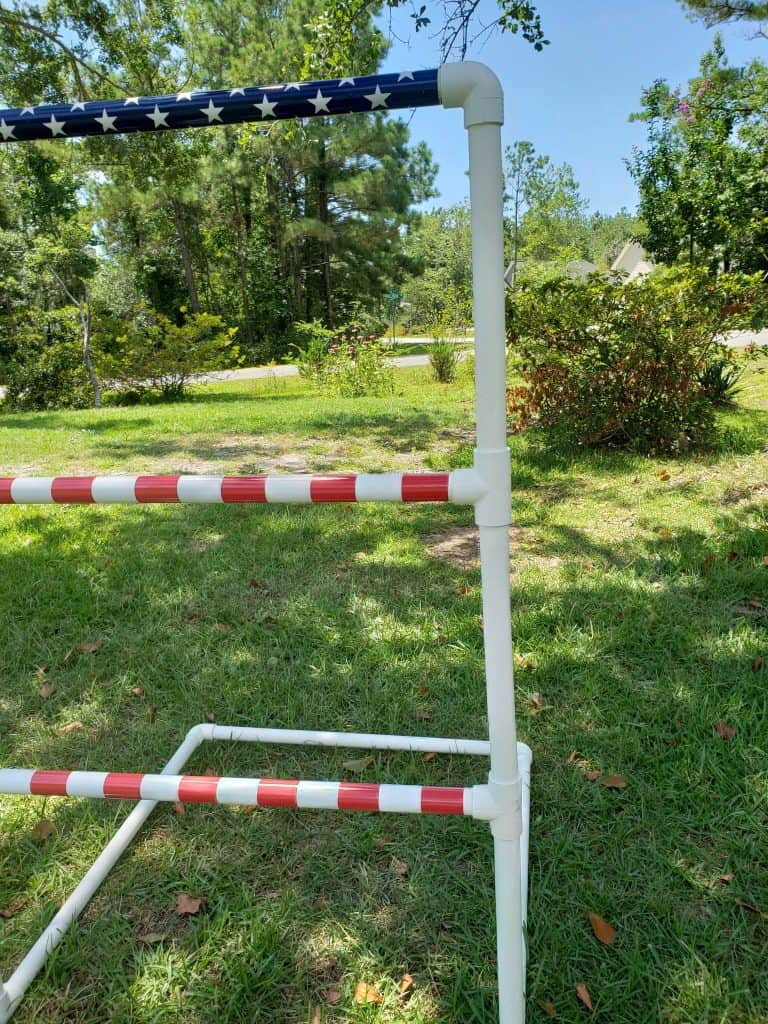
column 288, row 370
column 738, row 339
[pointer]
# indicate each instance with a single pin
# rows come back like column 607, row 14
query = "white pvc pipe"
column 358, row 740
column 476, row 89
column 70, row 910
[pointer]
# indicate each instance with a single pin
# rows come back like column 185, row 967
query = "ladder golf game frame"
column 503, row 800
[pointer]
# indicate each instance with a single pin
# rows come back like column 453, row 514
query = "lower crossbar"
column 208, row 789
column 422, row 799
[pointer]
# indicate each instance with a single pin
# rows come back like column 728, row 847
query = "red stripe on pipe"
column 442, row 800
column 5, row 490
column 123, row 786
column 72, row 490
column 425, row 486
column 49, row 783
column 277, row 793
column 358, row 796
column 244, row 488
column 157, row 488
column 198, row 790
column 333, row 487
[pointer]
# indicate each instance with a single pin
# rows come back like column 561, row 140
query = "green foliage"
column 46, row 369
column 443, row 352
column 349, row 362
column 606, row 363
column 443, row 358
column 547, row 224
column 703, row 177
column 155, row 354
column 718, row 12
column 311, row 345
column 439, row 247
column 546, row 213
column 719, row 380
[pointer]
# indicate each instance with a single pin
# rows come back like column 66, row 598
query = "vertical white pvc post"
column 475, row 88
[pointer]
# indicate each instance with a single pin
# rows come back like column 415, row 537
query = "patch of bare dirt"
column 754, row 492
column 460, row 546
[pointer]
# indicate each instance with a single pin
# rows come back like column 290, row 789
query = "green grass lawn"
column 640, row 607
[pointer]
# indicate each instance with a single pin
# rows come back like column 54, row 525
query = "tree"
column 439, row 246
column 546, row 215
column 718, row 12
column 703, row 178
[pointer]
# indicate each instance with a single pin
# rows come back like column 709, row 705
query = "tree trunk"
column 243, row 270
column 186, row 259
column 325, row 248
column 87, row 322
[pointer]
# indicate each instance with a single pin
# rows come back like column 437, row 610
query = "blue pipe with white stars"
column 199, row 109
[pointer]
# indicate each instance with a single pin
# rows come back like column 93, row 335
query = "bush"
column 719, row 380
column 157, row 354
column 311, row 342
column 607, row 363
column 347, row 362
column 443, row 358
column 45, row 369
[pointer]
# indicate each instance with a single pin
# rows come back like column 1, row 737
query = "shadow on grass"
column 337, row 618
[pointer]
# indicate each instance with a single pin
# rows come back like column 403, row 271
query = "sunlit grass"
column 640, row 608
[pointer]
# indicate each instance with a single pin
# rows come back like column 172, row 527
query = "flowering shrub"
column 348, row 362
column 606, row 363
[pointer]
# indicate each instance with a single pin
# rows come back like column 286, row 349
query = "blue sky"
column 571, row 101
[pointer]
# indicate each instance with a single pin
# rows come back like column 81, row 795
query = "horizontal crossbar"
column 205, row 108
column 462, row 486
column 204, row 789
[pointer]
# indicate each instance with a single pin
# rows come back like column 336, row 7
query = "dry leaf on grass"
column 583, row 995
column 602, row 930
column 359, row 764
column 406, row 985
column 89, row 648
column 71, row 727
column 136, row 691
column 43, row 830
column 151, row 938
column 365, row 993
column 765, row 559
column 571, row 757
column 178, row 808
column 400, row 868
column 725, row 879
column 13, row 908
column 615, row 782
column 429, row 756
column 317, row 1015
column 187, row 904
column 725, row 731
column 662, row 474
column 46, row 690
column 592, row 776
column 548, row 1008
column 537, row 701
column 332, row 996
column 751, row 908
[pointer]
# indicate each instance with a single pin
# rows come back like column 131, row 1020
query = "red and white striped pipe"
column 202, row 789
column 462, row 486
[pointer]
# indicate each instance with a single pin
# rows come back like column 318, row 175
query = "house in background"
column 633, row 261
